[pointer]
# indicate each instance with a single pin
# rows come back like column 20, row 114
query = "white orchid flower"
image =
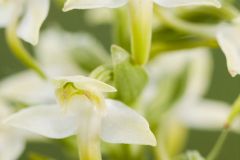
column 34, row 13
column 83, row 111
column 141, row 13
column 228, row 39
column 12, row 141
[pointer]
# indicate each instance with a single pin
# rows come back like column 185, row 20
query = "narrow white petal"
column 34, row 17
column 203, row 114
column 85, row 82
column 177, row 3
column 123, row 125
column 228, row 39
column 49, row 121
column 11, row 145
column 88, row 4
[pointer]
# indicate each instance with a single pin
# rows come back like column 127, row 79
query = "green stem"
column 217, row 147
column 158, row 47
column 141, row 12
column 234, row 112
column 17, row 47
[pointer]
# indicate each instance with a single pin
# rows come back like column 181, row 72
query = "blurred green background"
column 223, row 86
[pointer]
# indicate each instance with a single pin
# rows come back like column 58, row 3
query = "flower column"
column 141, row 12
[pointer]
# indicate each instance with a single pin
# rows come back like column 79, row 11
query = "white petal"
column 177, row 3
column 88, row 4
column 85, row 82
column 123, row 125
column 35, row 15
column 203, row 114
column 49, row 121
column 228, row 39
column 11, row 145
column 6, row 10
column 26, row 87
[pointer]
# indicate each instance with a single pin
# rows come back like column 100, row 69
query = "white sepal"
column 48, row 120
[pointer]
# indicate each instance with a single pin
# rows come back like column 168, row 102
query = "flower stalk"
column 218, row 146
column 89, row 141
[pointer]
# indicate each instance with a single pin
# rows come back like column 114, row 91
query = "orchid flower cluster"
column 136, row 102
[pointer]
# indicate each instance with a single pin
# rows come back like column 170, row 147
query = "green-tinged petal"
column 123, row 125
column 177, row 3
column 35, row 15
column 228, row 39
column 88, row 4
column 204, row 114
column 83, row 82
column 48, row 120
column 11, row 145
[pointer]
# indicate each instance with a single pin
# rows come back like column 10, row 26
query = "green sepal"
column 129, row 79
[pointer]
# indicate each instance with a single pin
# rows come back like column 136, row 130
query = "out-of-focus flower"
column 228, row 39
column 83, row 111
column 34, row 13
column 192, row 109
column 12, row 141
